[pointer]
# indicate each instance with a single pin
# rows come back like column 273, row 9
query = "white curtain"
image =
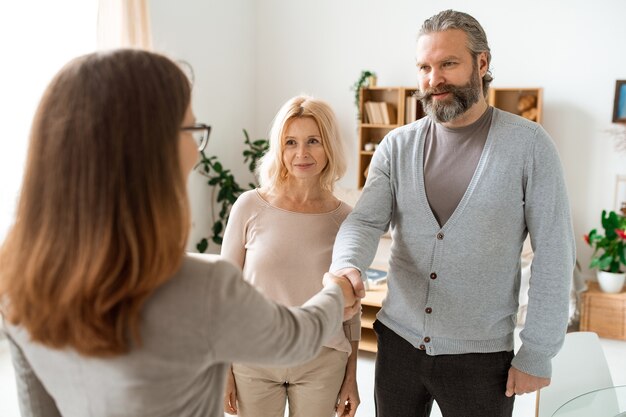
column 124, row 24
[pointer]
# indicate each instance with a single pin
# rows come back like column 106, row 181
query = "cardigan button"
column 433, row 275
column 440, row 236
column 427, row 339
column 428, row 310
column 422, row 347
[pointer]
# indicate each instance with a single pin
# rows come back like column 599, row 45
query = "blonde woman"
column 282, row 236
column 107, row 315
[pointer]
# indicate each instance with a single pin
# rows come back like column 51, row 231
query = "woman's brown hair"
column 102, row 219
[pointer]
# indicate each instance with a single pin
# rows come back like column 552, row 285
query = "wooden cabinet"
column 370, row 305
column 526, row 102
column 401, row 108
column 603, row 313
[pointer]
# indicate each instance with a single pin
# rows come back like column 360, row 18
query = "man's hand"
column 351, row 304
column 522, row 383
column 354, row 276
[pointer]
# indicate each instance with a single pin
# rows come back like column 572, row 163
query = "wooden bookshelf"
column 509, row 99
column 370, row 134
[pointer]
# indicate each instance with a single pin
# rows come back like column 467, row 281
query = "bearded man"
column 460, row 190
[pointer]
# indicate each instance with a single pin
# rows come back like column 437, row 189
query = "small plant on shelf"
column 366, row 79
column 225, row 189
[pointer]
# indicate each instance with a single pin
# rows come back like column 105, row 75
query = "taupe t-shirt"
column 450, row 159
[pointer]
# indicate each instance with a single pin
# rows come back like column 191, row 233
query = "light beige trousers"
column 311, row 389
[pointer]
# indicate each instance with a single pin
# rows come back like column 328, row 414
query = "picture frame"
column 620, row 195
column 619, row 104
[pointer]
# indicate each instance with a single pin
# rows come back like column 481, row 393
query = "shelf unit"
column 370, row 133
column 509, row 98
column 370, row 305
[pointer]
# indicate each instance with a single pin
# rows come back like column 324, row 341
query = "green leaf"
column 605, row 262
column 226, row 187
column 202, row 245
column 217, row 227
column 221, row 195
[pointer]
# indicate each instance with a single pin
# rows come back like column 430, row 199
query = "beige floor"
column 615, row 352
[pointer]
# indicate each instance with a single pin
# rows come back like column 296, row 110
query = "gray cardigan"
column 457, row 285
column 192, row 327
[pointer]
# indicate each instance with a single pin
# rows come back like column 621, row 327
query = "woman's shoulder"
column 250, row 197
column 343, row 209
column 249, row 203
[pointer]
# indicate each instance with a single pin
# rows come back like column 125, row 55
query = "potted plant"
column 609, row 254
column 225, row 189
column 366, row 79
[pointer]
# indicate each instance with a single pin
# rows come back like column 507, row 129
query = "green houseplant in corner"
column 609, row 254
column 225, row 189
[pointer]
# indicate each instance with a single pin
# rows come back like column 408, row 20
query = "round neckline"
column 268, row 204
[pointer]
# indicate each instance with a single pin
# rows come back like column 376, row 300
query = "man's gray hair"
column 476, row 36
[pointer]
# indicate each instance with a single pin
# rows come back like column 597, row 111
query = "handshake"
column 351, row 284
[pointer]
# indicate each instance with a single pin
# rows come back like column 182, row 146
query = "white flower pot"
column 611, row 282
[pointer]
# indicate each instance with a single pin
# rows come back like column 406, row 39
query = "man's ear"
column 483, row 65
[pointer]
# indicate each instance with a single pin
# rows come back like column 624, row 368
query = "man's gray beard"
column 463, row 98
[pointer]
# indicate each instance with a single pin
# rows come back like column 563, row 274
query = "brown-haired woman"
column 106, row 314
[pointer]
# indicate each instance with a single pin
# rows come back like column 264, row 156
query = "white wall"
column 36, row 39
column 217, row 39
column 573, row 49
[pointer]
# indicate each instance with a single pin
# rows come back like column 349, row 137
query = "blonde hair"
column 272, row 171
column 102, row 217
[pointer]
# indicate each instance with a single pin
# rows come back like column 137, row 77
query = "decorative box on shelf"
column 603, row 313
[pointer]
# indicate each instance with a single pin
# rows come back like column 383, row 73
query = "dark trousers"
column 408, row 380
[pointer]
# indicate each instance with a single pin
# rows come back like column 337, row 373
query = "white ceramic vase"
column 611, row 282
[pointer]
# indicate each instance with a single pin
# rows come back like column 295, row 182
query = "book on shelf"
column 380, row 112
column 372, row 113
column 382, row 106
column 389, row 113
column 410, row 109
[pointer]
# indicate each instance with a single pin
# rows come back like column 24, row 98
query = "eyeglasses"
column 200, row 134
